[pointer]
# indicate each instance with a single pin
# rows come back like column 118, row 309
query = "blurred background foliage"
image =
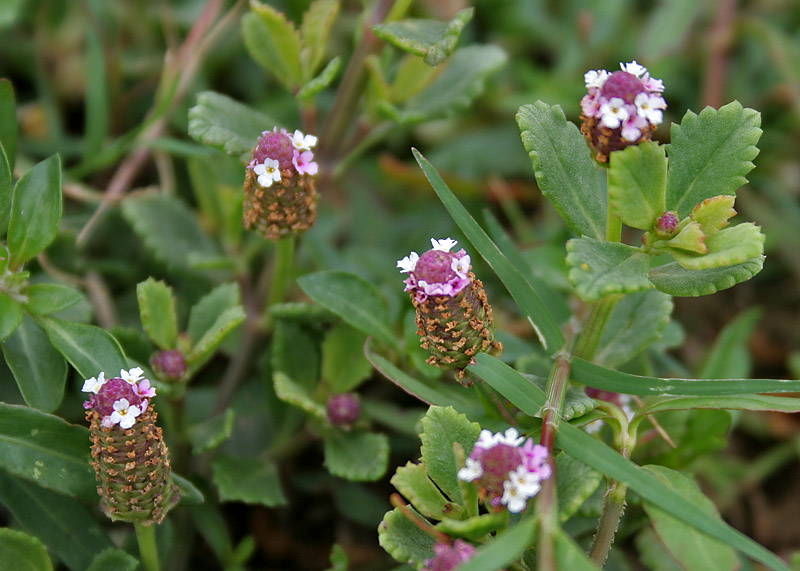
column 90, row 83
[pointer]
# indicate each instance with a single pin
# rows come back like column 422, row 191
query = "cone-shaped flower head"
column 449, row 557
column 621, row 108
column 454, row 319
column 506, row 473
column 130, row 459
column 280, row 198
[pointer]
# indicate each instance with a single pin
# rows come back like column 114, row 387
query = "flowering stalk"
column 280, row 197
column 454, row 319
column 130, row 459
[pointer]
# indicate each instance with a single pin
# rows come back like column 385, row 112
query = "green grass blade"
column 526, row 297
column 609, row 380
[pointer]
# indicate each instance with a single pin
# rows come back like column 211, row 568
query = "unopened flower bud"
column 454, row 319
column 667, row 224
column 169, row 365
column 280, row 198
column 344, row 410
column 621, row 108
column 130, row 459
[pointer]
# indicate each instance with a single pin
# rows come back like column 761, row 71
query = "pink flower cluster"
column 437, row 272
column 508, row 474
column 629, row 99
column 119, row 400
column 277, row 149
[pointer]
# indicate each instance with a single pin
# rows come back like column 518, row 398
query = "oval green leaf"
column 88, row 348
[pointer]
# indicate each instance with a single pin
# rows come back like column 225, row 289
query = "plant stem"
column 547, row 503
column 284, row 256
column 592, row 332
column 613, row 506
column 146, row 537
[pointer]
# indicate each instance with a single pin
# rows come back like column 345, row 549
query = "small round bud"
column 112, row 391
column 343, row 409
column 169, row 365
column 435, row 266
column 276, row 146
column 623, row 85
column 667, row 225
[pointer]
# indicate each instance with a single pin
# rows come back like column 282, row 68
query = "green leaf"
column 40, row 370
column 190, row 494
column 404, row 540
column 10, row 315
column 47, row 451
column 168, row 228
column 314, row 32
column 563, row 167
column 356, row 455
column 710, row 154
column 619, row 382
column 576, row 482
column 320, row 82
column 692, row 549
column 653, row 554
column 608, row 461
column 455, row 88
column 505, row 549
column 115, row 559
column 413, row 483
column 208, row 343
column 569, row 555
column 88, row 348
column 247, row 480
column 412, row 76
column 35, row 211
column 354, row 299
column 157, row 312
column 296, row 353
column 726, row 402
column 97, row 94
column 289, row 391
column 344, row 366
column 636, row 321
column 8, row 121
column 274, row 43
column 691, row 239
column 474, row 528
column 598, row 268
column 441, row 428
column 728, row 247
column 225, row 124
column 527, row 299
column 205, row 313
column 339, row 559
column 713, row 213
column 675, row 280
column 429, row 39
column 22, row 552
column 44, row 299
column 6, row 187
column 637, row 177
column 66, row 526
column 212, row 432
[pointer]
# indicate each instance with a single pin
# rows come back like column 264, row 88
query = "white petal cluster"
column 408, row 263
column 268, row 172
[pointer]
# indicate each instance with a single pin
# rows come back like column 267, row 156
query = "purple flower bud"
column 112, row 391
column 274, row 145
column 624, row 85
column 169, row 365
column 343, row 409
column 667, row 224
column 449, row 557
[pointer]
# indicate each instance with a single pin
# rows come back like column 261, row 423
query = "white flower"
column 487, row 439
column 526, row 482
column 472, row 471
column 613, row 113
column 595, row 78
column 633, row 68
column 93, row 385
column 460, row 266
column 408, row 263
column 131, row 377
column 511, row 437
column 650, row 107
column 444, row 245
column 268, row 172
column 303, row 142
column 513, row 498
column 124, row 413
